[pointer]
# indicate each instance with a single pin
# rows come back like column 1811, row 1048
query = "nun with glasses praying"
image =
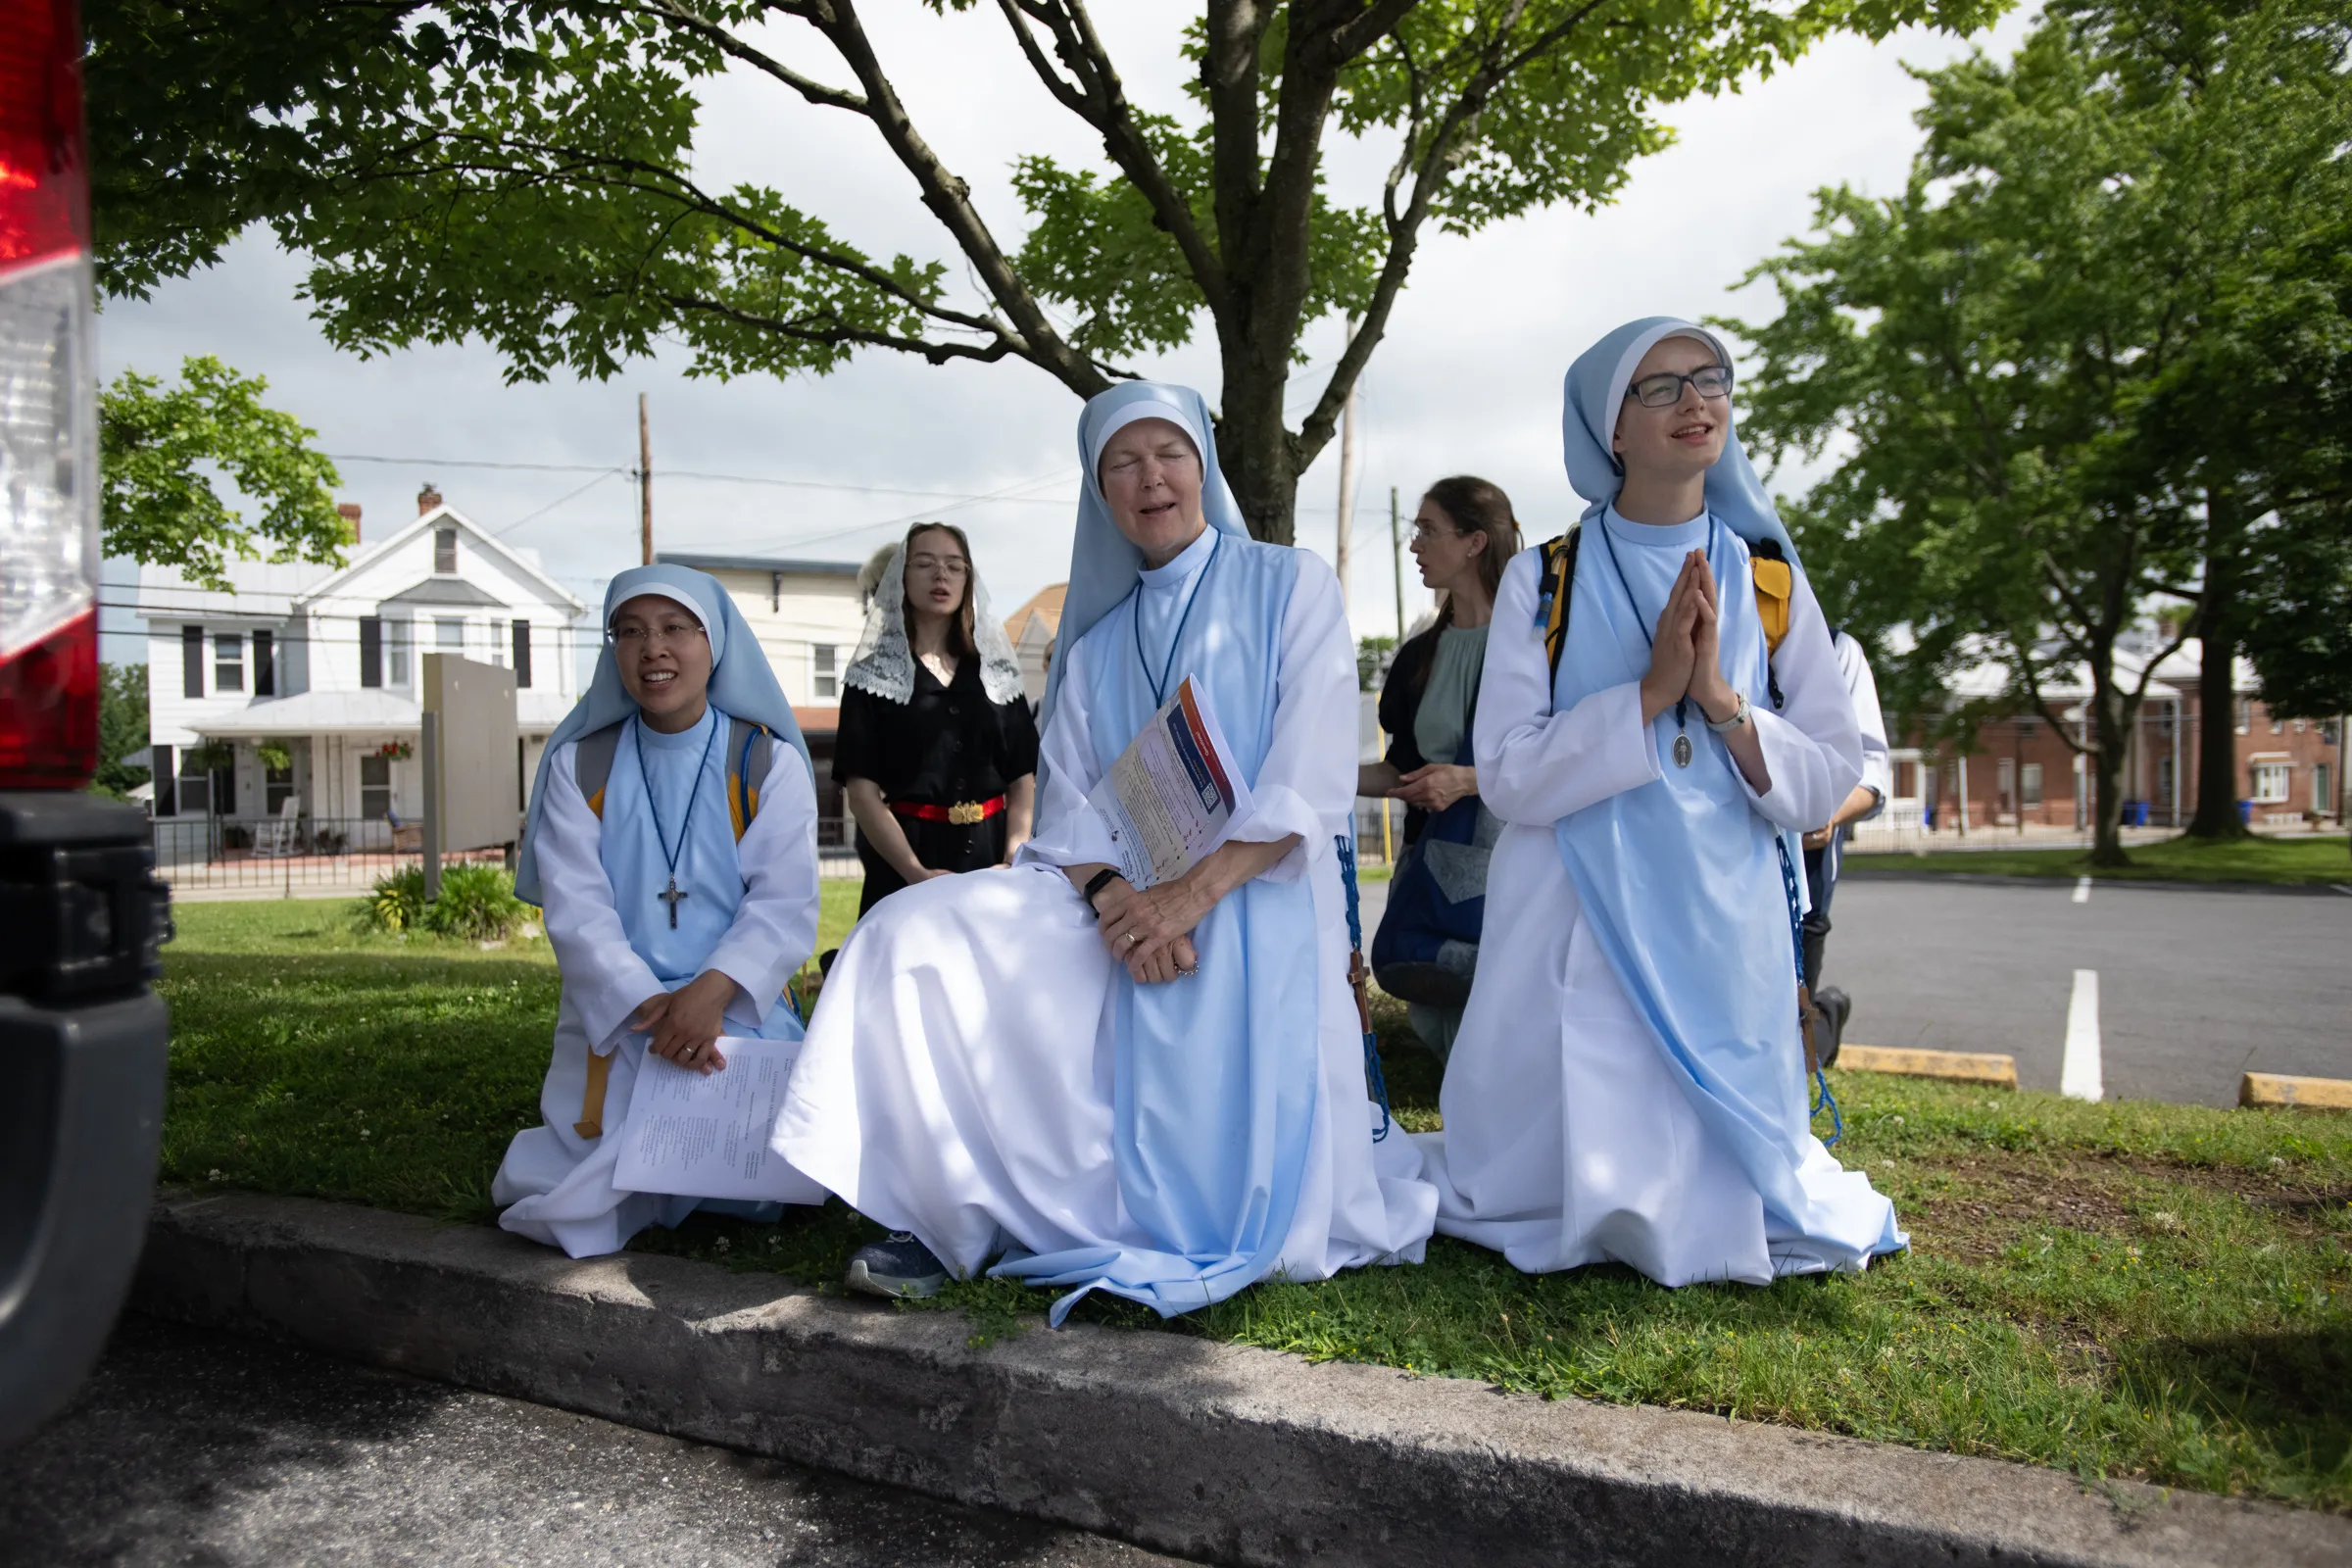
column 1155, row 1092
column 671, row 842
column 1660, row 718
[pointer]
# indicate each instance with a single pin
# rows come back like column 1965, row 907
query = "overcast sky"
column 1468, row 379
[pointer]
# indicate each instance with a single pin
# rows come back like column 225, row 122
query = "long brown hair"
column 1473, row 505
column 965, row 642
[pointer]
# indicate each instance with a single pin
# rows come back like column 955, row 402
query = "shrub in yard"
column 476, row 903
column 397, row 903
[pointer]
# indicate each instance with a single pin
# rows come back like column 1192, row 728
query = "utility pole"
column 1397, row 561
column 644, row 480
column 1346, row 491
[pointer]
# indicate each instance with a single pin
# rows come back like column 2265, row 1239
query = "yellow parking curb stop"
column 1952, row 1066
column 2282, row 1089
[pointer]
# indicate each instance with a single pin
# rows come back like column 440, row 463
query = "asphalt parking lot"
column 2193, row 987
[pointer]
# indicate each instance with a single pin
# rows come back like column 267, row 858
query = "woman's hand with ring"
column 1145, row 925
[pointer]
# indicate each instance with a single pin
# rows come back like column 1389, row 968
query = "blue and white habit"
column 749, row 911
column 1628, row 1084
column 979, row 1070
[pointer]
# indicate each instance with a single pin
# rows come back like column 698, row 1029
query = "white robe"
column 1567, row 1139
column 556, row 1185
column 955, row 1082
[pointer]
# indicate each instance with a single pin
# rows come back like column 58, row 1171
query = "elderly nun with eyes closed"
column 1155, row 1092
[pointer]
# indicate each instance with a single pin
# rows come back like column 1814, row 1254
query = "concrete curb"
column 1851, row 872
column 1211, row 1451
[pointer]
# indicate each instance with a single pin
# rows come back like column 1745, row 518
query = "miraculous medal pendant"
column 1681, row 751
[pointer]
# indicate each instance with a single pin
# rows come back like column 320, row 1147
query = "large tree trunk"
column 1255, row 447
column 2217, row 689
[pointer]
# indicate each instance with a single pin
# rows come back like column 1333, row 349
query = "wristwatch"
column 1095, row 884
column 1738, row 718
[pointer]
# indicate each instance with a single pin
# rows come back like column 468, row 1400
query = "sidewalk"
column 1216, row 1453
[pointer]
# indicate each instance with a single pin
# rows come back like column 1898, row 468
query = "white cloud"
column 1468, row 379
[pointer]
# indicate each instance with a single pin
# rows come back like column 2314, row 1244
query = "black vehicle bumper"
column 82, row 1052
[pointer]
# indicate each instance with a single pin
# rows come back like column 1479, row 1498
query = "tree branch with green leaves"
column 161, row 452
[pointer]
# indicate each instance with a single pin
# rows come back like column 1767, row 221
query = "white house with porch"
column 302, row 684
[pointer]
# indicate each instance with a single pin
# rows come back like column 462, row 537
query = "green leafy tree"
column 2016, row 348
column 161, row 450
column 122, row 728
column 2247, row 108
column 525, row 173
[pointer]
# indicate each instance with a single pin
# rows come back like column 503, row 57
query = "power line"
column 667, row 474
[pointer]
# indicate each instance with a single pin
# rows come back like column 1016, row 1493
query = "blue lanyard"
column 694, row 794
column 1159, row 688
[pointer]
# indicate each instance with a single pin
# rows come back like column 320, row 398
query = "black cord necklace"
column 1682, row 703
column 674, row 895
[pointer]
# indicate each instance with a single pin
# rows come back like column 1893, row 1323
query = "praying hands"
column 1686, row 663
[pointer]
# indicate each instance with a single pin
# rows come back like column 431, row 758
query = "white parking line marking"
column 2079, row 1077
column 2083, row 890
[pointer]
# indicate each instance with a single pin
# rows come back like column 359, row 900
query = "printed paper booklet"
column 706, row 1135
column 1174, row 793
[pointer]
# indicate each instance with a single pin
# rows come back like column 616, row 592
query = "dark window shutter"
column 265, row 663
column 191, row 661
column 161, row 768
column 372, row 651
column 523, row 654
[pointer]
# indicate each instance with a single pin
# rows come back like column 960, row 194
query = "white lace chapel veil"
column 884, row 663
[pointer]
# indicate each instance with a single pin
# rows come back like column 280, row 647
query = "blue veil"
column 742, row 688
column 1596, row 392
column 1104, row 566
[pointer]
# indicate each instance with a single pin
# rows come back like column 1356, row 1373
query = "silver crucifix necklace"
column 674, row 895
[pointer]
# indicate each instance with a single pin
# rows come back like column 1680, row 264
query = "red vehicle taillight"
column 48, row 406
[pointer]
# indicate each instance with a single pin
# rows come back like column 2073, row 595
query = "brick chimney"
column 427, row 498
column 349, row 512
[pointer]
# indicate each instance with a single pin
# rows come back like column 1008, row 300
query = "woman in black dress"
column 937, row 751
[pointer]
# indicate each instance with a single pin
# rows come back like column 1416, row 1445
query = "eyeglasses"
column 945, row 565
column 670, row 634
column 1665, row 389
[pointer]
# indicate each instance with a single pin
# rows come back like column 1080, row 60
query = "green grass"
column 2182, row 860
column 2129, row 1290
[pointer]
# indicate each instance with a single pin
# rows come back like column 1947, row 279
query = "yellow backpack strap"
column 592, row 1095
column 592, row 765
column 751, row 753
column 1774, row 581
column 1557, row 572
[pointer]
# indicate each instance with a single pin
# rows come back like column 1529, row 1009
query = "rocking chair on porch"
column 279, row 835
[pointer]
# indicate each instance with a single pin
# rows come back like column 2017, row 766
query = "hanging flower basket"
column 398, row 751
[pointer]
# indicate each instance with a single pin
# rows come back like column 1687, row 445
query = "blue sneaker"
column 900, row 1266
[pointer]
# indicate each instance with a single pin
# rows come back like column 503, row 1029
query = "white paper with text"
column 1174, row 793
column 706, row 1135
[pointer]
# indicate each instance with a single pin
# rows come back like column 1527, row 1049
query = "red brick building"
column 2022, row 772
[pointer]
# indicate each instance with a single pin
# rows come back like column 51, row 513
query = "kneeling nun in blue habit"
column 673, row 843
column 1661, row 716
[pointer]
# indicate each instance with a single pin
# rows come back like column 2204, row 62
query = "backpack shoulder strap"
column 593, row 762
column 750, row 755
column 1556, row 576
column 1775, row 583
